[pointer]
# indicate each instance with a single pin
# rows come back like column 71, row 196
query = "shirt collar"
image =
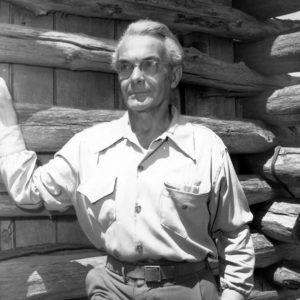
column 180, row 132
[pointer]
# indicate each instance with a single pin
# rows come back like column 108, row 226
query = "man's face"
column 144, row 73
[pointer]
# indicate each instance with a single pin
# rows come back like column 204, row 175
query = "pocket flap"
column 186, row 194
column 187, row 189
column 96, row 189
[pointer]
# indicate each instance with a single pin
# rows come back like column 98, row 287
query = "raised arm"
column 8, row 116
column 52, row 184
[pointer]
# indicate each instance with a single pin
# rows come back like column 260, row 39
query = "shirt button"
column 138, row 209
column 139, row 247
column 184, row 206
column 140, row 168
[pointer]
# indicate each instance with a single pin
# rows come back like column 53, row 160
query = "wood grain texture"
column 10, row 210
column 54, row 126
column 32, row 84
column 284, row 274
column 263, row 290
column 34, row 232
column 279, row 219
column 61, row 275
column 69, row 231
column 258, row 190
column 275, row 55
column 7, row 234
column 5, row 18
column 200, row 68
column 267, row 9
column 85, row 89
column 286, row 167
column 277, row 107
column 204, row 16
column 269, row 251
column 57, row 276
column 204, row 101
column 30, row 46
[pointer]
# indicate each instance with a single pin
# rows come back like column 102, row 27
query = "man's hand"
column 8, row 116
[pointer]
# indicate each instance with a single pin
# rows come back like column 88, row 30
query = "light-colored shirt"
column 178, row 200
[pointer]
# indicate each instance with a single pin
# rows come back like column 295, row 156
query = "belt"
column 153, row 272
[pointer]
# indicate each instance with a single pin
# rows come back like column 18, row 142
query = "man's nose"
column 137, row 74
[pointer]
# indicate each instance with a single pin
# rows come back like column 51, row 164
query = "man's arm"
column 232, row 295
column 29, row 186
column 230, row 214
column 8, row 116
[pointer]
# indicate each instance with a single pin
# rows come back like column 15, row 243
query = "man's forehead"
column 138, row 47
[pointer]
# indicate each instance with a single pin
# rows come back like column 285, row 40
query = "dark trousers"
column 102, row 283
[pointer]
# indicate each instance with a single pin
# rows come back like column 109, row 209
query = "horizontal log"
column 31, row 46
column 58, row 275
column 263, row 290
column 285, row 274
column 44, row 277
column 287, row 136
column 54, row 49
column 8, row 209
column 280, row 107
column 258, row 190
column 275, row 55
column 269, row 252
column 54, row 126
column 279, row 219
column 204, row 16
column 42, row 250
column 265, row 251
column 286, row 167
column 235, row 78
column 267, row 9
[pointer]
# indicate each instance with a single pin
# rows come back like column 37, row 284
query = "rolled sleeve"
column 236, row 260
column 231, row 214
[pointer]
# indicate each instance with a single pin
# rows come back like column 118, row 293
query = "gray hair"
column 147, row 27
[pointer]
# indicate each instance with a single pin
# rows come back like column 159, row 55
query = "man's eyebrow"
column 153, row 57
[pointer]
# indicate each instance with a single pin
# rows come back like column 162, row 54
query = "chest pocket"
column 184, row 210
column 100, row 199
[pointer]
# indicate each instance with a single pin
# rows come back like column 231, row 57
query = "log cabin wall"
column 216, row 85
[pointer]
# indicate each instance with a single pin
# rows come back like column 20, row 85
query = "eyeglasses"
column 148, row 67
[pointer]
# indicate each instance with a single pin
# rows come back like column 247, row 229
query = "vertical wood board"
column 35, row 232
column 85, row 89
column 7, row 234
column 32, row 84
column 70, row 232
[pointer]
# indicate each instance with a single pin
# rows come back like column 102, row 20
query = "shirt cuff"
column 11, row 140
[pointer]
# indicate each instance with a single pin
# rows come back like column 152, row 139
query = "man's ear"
column 176, row 76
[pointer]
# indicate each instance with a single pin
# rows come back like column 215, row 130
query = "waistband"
column 153, row 272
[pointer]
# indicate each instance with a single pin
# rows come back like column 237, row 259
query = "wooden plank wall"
column 31, row 84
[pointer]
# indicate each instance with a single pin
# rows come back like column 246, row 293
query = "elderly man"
column 159, row 195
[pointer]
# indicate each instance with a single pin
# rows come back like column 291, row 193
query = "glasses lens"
column 125, row 69
column 149, row 67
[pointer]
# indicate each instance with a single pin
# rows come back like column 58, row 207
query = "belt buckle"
column 152, row 273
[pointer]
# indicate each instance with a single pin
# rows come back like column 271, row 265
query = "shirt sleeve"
column 230, row 216
column 52, row 184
